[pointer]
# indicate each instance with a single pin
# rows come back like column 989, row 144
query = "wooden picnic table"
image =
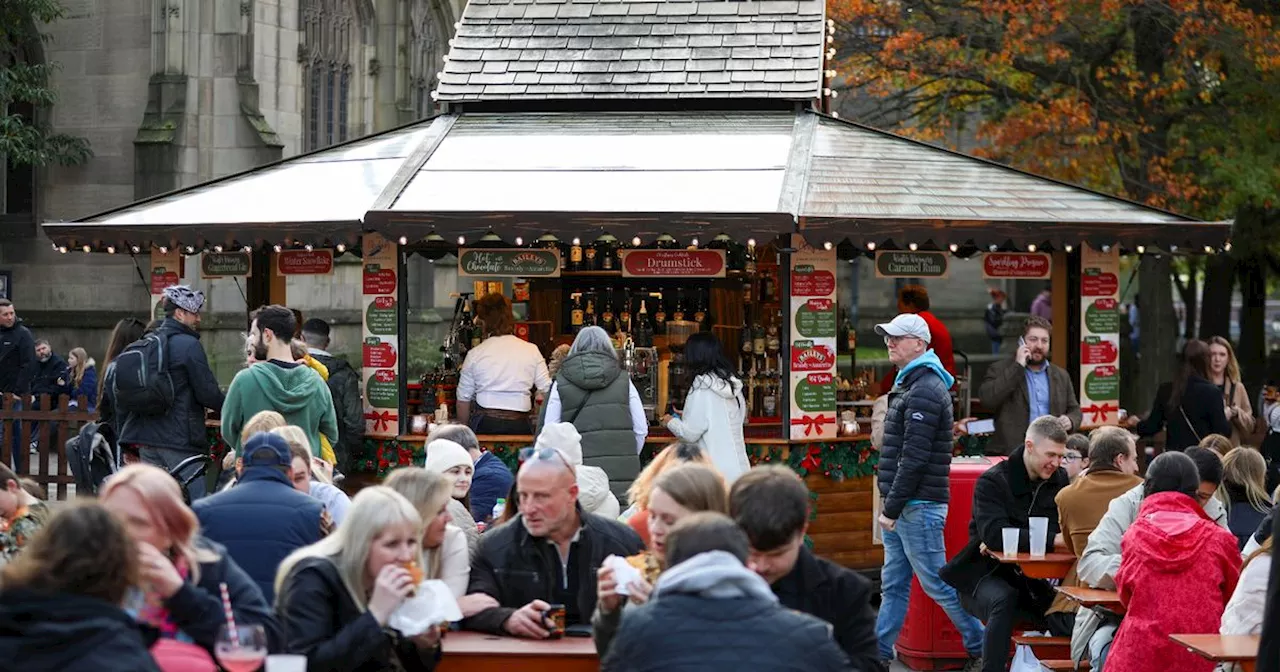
column 1051, row 566
column 479, row 652
column 1094, row 597
column 1239, row 649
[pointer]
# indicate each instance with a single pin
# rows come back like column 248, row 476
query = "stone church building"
column 171, row 93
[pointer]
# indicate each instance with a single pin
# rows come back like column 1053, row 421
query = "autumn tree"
column 1172, row 103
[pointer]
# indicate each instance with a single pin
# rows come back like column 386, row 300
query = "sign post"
column 381, row 337
column 812, row 352
column 1100, row 336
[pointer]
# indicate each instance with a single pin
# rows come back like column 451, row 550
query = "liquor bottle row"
column 642, row 313
column 605, row 252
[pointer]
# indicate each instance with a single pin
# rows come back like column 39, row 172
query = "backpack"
column 141, row 383
column 92, row 458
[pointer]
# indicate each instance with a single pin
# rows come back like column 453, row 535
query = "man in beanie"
column 165, row 440
column 547, row 554
column 452, row 461
column 344, row 387
column 262, row 518
column 593, row 483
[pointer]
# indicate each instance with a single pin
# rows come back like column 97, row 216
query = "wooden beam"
column 1061, row 288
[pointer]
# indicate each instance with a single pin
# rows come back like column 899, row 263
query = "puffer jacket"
column 261, row 520
column 595, row 396
column 711, row 597
column 915, row 460
column 1100, row 562
column 194, row 389
column 1177, row 573
column 713, row 414
column 344, row 387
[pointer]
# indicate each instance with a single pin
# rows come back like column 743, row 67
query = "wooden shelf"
column 591, row 274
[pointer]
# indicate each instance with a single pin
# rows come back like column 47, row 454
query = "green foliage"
column 424, row 355
column 22, row 80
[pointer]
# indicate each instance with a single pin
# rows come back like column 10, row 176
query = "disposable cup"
column 281, row 662
column 1011, row 535
column 1039, row 536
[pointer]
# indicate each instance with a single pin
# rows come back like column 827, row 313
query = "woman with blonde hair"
column 1243, row 492
column 678, row 493
column 1224, row 372
column 335, row 597
column 307, row 476
column 61, row 604
column 84, row 377
column 1217, row 443
column 181, row 572
column 673, row 455
column 1244, row 612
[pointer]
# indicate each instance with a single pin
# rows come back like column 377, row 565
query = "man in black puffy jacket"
column 344, row 387
column 710, row 613
column 914, row 480
column 1008, row 495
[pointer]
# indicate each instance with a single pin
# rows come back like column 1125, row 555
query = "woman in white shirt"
column 714, row 410
column 498, row 375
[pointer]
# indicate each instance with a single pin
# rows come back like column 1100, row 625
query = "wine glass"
column 243, row 653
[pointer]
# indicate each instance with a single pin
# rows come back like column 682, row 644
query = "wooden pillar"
column 277, row 290
column 1061, row 288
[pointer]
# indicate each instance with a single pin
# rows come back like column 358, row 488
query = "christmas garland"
column 836, row 461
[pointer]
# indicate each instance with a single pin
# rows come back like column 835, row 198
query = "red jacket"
column 1177, row 571
column 939, row 340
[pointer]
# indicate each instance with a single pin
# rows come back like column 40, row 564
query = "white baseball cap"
column 906, row 324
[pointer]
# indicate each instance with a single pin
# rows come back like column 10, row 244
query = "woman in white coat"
column 714, row 410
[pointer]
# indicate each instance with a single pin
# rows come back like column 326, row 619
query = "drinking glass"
column 1039, row 529
column 243, row 653
column 1011, row 535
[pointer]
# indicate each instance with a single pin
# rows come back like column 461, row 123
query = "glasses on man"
column 545, row 455
column 894, row 340
column 1071, row 457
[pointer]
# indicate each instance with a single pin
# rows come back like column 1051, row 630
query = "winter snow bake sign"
column 922, row 264
column 673, row 263
column 305, row 262
column 1016, row 265
column 1099, row 336
column 509, row 263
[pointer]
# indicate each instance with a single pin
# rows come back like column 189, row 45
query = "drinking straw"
column 231, row 619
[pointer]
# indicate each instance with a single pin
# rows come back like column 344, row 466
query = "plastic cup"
column 1011, row 535
column 281, row 662
column 1039, row 536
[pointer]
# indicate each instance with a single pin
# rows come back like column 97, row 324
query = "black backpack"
column 140, row 383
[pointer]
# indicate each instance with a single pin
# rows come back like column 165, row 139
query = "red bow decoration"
column 812, row 424
column 1098, row 414
column 381, row 421
column 812, row 461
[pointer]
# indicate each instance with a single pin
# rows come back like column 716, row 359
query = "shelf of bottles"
column 760, row 334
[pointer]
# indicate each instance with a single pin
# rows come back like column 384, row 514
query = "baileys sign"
column 509, row 263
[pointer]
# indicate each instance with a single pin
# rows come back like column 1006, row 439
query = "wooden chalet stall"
column 669, row 132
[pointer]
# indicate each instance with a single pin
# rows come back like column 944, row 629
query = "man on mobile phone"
column 1027, row 386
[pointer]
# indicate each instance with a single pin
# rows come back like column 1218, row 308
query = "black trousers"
column 1002, row 601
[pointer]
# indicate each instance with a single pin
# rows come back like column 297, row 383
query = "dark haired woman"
column 125, row 332
column 714, row 410
column 1189, row 408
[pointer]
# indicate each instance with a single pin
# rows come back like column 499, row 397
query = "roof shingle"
column 647, row 50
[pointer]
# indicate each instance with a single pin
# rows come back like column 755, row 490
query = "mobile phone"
column 1022, row 342
column 979, row 427
column 580, row 630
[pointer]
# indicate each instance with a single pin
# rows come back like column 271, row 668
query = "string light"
column 577, row 242
column 86, row 249
column 993, row 247
column 135, row 249
column 190, row 250
column 827, row 245
column 462, row 240
column 694, row 242
column 1106, row 248
column 217, row 248
column 871, row 246
column 55, row 246
column 276, row 248
column 307, row 247
column 519, row 241
column 341, row 248
column 1208, row 250
column 635, row 242
column 751, row 242
column 1142, row 249
column 1226, row 248
column 164, row 250
column 1069, row 248
column 1031, row 247
column 111, row 249
column 954, row 248
column 913, row 247
column 62, row 249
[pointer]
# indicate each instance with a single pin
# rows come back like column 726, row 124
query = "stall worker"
column 498, row 374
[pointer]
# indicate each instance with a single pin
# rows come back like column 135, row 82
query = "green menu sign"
column 509, row 263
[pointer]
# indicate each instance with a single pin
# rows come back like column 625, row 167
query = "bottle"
column 589, row 262
column 757, row 339
column 477, row 335
column 607, row 318
column 770, row 406
column 575, row 255
column 700, row 312
column 746, row 291
column 643, row 328
column 607, row 251
column 660, row 316
column 499, row 508
column 466, row 324
column 589, row 318
column 850, row 335
column 678, row 313
column 624, row 318
column 749, row 263
column 576, row 314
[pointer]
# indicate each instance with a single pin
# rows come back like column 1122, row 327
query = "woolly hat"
column 443, row 455
column 564, row 437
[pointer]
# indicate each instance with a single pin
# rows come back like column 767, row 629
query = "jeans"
column 1002, row 604
column 167, row 459
column 915, row 547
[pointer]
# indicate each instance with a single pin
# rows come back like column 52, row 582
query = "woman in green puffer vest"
column 593, row 392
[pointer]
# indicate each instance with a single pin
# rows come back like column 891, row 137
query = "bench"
column 1046, row 647
column 1063, row 665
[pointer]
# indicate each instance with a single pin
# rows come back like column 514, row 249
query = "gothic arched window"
column 430, row 28
column 325, row 54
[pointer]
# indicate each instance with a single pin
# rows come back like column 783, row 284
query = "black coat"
column 17, row 359
column 197, row 609
column 915, row 462
column 69, row 633
column 841, row 597
column 1269, row 651
column 322, row 622
column 1004, row 496
column 515, row 568
column 194, row 389
column 1202, row 404
column 51, row 377
column 690, row 633
column 344, row 387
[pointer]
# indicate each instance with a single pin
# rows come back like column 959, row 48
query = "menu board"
column 381, row 351
column 813, row 342
column 509, row 263
column 1100, row 336
column 166, row 271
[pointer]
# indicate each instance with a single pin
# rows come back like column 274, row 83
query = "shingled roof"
column 652, row 49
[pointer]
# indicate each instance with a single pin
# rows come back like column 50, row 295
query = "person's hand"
column 1022, row 354
column 1229, row 411
column 390, row 589
column 667, row 418
column 887, row 523
column 427, row 640
column 157, row 571
column 527, row 621
column 961, row 427
column 323, row 466
column 640, row 591
column 1065, row 422
column 1131, row 421
column 472, row 604
column 607, row 597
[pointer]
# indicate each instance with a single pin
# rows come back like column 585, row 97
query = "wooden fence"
column 48, row 424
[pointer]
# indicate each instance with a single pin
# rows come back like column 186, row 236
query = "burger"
column 647, row 564
column 415, row 573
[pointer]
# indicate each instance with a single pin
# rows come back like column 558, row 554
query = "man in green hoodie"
column 279, row 384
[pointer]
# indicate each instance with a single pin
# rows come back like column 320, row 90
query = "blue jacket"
column 194, row 389
column 915, row 461
column 261, row 520
column 492, row 480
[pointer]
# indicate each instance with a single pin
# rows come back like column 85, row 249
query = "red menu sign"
column 807, row 280
column 305, row 262
column 1096, row 283
column 813, row 358
column 1016, row 265
column 673, row 263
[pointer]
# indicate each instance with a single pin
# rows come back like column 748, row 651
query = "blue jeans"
column 915, row 548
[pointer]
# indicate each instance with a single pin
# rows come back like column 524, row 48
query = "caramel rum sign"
column 673, row 264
